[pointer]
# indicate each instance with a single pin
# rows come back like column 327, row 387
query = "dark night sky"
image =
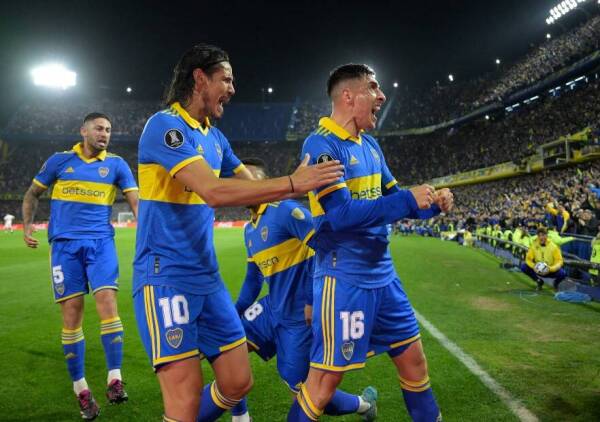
column 289, row 45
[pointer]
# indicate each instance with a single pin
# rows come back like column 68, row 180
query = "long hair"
column 201, row 56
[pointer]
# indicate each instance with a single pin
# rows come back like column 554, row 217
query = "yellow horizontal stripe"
column 110, row 320
column 184, row 163
column 62, row 299
column 254, row 345
column 309, row 402
column 74, row 339
column 105, row 288
column 415, row 384
column 84, row 192
column 407, row 341
column 215, row 397
column 238, row 169
column 390, row 184
column 280, row 257
column 111, row 325
column 415, row 390
column 167, row 419
column 73, row 331
column 371, row 353
column 338, row 368
column 174, row 358
column 232, row 345
column 306, row 409
column 156, row 184
column 129, row 190
column 365, row 187
column 330, row 189
column 112, row 330
column 40, row 184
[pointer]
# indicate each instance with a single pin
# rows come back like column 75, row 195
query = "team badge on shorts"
column 173, row 138
column 264, row 233
column 348, row 350
column 59, row 288
column 103, row 171
column 174, row 337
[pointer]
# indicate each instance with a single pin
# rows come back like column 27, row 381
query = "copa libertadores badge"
column 173, row 138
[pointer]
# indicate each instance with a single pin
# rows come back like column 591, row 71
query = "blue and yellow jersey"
column 174, row 245
column 83, row 193
column 276, row 242
column 359, row 254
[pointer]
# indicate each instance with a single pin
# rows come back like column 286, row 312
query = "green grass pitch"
column 545, row 353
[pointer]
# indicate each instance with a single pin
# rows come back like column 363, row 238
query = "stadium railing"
column 514, row 255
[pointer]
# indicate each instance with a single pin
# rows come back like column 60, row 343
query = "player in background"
column 544, row 251
column 280, row 323
column 181, row 304
column 8, row 220
column 82, row 246
column 360, row 308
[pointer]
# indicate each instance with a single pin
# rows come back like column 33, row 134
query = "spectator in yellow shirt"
column 544, row 251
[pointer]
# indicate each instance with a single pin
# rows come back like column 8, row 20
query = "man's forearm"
column 30, row 204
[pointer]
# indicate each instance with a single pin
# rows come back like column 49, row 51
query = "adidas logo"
column 353, row 160
column 70, row 355
column 70, row 170
column 117, row 339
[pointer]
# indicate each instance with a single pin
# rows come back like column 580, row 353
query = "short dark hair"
column 95, row 115
column 201, row 56
column 542, row 230
column 345, row 72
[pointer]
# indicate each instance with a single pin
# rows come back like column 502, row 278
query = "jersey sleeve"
column 321, row 150
column 298, row 220
column 251, row 286
column 125, row 180
column 48, row 172
column 231, row 164
column 164, row 141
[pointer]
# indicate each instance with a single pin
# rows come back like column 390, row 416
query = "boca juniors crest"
column 264, row 233
column 174, row 337
column 103, row 171
column 348, row 350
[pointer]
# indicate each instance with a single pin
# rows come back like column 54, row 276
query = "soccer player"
column 82, row 246
column 544, row 250
column 360, row 308
column 181, row 304
column 279, row 323
column 8, row 220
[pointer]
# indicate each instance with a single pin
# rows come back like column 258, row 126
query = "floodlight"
column 270, row 90
column 128, row 89
column 451, row 77
column 54, row 76
column 396, row 83
column 497, row 61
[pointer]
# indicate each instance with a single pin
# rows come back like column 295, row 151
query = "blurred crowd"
column 566, row 200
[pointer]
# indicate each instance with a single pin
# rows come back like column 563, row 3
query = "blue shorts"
column 351, row 323
column 291, row 343
column 78, row 264
column 176, row 325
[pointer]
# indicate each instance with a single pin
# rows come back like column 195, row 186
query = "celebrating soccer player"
column 182, row 306
column 360, row 308
column 276, row 240
column 83, row 249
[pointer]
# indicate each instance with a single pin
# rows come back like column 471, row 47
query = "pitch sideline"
column 513, row 404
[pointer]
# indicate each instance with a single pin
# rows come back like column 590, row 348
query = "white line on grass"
column 513, row 404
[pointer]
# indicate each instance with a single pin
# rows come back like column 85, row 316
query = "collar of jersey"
column 256, row 215
column 337, row 130
column 78, row 148
column 193, row 123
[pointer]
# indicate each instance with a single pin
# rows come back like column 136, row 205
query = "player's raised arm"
column 235, row 192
